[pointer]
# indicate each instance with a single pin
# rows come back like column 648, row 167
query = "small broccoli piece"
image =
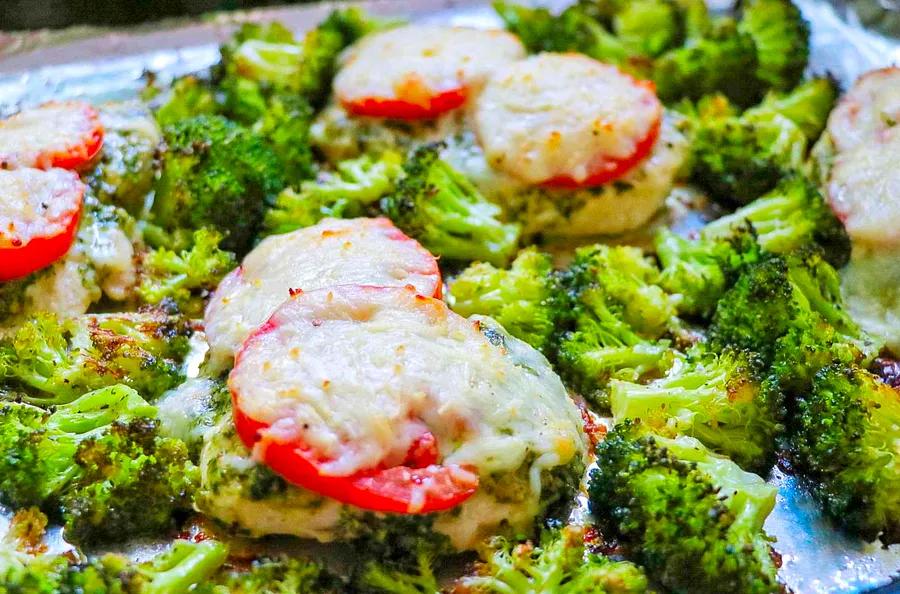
column 218, row 174
column 781, row 36
column 692, row 518
column 352, row 190
column 98, row 463
column 187, row 97
column 559, row 564
column 741, row 157
column 61, row 359
column 788, row 309
column 38, row 448
column 526, row 298
column 572, row 30
column 130, row 481
column 723, row 400
column 807, row 105
column 185, row 278
column 647, row 27
column 409, row 578
column 286, row 124
column 273, row 575
column 844, row 439
column 723, row 61
column 791, row 216
column 442, row 209
column 699, row 271
column 618, row 317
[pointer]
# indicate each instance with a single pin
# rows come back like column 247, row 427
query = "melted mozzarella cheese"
column 868, row 109
column 36, row 203
column 864, row 190
column 427, row 59
column 354, row 372
column 333, row 252
column 31, row 137
column 553, row 115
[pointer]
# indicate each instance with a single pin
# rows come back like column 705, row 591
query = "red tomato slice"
column 408, row 108
column 606, row 169
column 67, row 135
column 39, row 212
column 419, row 486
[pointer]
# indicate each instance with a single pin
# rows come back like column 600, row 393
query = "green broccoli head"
column 185, row 98
column 723, row 61
column 789, row 309
column 781, row 36
column 558, row 564
column 39, row 447
column 699, row 271
column 793, row 215
column 692, row 518
column 184, row 279
column 285, row 124
column 352, row 190
column 98, row 463
column 441, row 208
column 527, row 298
column 844, row 439
column 416, row 576
column 57, row 360
column 216, row 173
column 724, row 400
column 575, row 29
column 647, row 27
column 129, row 482
column 740, row 157
column 271, row 575
column 618, row 316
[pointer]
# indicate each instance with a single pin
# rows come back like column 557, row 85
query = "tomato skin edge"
column 40, row 252
column 77, row 158
column 610, row 169
column 400, row 109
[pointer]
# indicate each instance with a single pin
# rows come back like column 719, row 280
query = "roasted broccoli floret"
column 185, row 98
column 411, row 577
column 441, row 208
column 781, row 37
column 575, row 29
column 175, row 571
column 740, row 157
column 559, row 564
column 273, row 575
column 618, row 317
column 183, row 279
column 844, row 437
column 217, row 174
column 788, row 309
column 699, row 271
column 97, row 463
column 692, row 518
column 57, row 360
column 647, row 27
column 526, row 298
column 352, row 190
column 791, row 216
column 724, row 400
column 722, row 61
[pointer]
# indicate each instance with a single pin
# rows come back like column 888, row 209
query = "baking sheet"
column 103, row 65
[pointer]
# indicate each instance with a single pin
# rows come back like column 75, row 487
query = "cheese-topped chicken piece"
column 66, row 135
column 566, row 119
column 374, row 388
column 421, row 71
column 332, row 252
